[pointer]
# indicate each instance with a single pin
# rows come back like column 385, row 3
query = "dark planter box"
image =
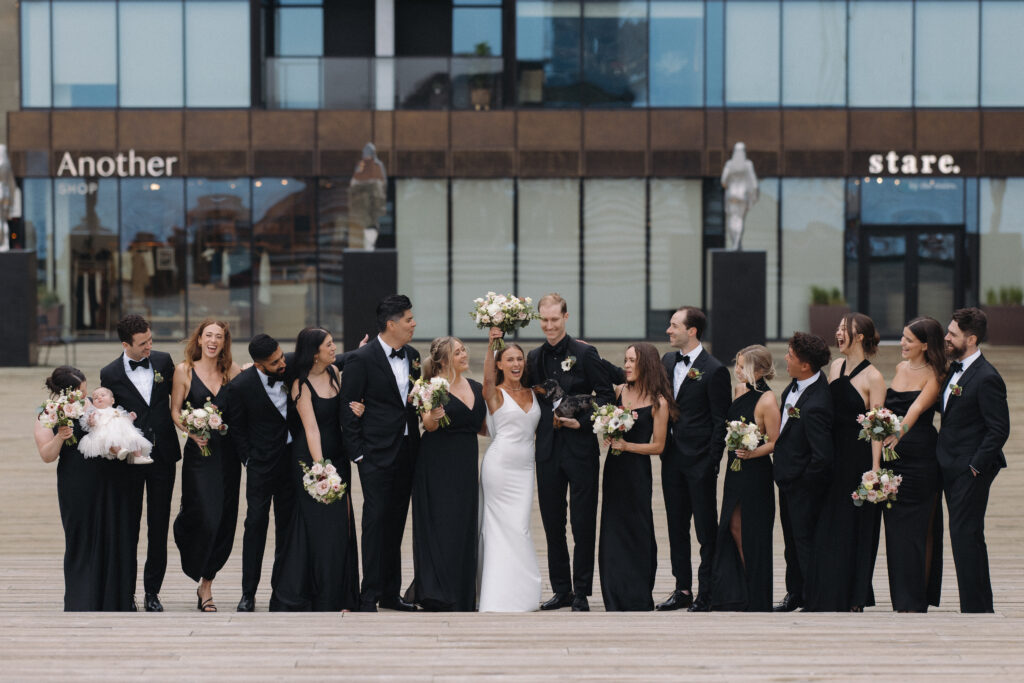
column 1005, row 324
column 825, row 319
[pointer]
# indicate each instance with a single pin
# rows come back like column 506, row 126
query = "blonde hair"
column 553, row 298
column 756, row 360
column 442, row 353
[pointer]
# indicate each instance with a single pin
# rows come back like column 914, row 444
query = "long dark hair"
column 307, row 345
column 865, row 326
column 64, row 377
column 194, row 351
column 651, row 380
column 929, row 331
column 500, row 377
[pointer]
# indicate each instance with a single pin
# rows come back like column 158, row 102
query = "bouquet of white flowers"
column 322, row 482
column 877, row 425
column 740, row 434
column 203, row 421
column 62, row 410
column 611, row 422
column 504, row 311
column 429, row 394
column 877, row 486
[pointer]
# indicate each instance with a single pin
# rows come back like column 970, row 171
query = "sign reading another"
column 912, row 164
column 121, row 165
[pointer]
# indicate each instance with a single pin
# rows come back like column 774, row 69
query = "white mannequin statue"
column 8, row 198
column 740, row 183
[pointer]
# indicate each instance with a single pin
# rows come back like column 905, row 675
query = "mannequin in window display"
column 93, row 249
column 367, row 198
column 8, row 189
column 740, row 183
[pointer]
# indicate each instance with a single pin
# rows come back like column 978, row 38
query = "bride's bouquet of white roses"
column 202, row 422
column 504, row 311
column 740, row 434
column 62, row 410
column 322, row 482
column 611, row 422
column 877, row 425
column 877, row 486
column 429, row 394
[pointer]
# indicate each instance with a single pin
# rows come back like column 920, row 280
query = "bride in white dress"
column 509, row 574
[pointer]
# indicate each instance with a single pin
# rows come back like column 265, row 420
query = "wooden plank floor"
column 39, row 642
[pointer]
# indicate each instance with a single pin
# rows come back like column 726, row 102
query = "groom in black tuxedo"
column 803, row 458
column 693, row 452
column 140, row 379
column 258, row 408
column 569, row 459
column 383, row 443
column 975, row 425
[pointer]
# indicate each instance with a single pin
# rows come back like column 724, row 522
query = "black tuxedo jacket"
column 975, row 424
column 154, row 418
column 696, row 439
column 256, row 428
column 377, row 435
column 586, row 376
column 804, row 450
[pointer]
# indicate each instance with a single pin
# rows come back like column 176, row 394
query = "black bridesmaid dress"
column 627, row 553
column 445, row 502
column 913, row 525
column 317, row 570
column 846, row 541
column 745, row 585
column 95, row 499
column 204, row 529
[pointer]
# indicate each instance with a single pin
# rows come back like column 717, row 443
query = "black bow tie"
column 144, row 363
column 680, row 357
column 397, row 353
column 794, row 387
column 271, row 381
column 955, row 366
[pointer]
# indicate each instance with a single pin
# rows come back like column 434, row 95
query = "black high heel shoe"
column 206, row 606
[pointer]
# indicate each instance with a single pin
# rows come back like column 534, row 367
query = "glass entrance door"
column 906, row 272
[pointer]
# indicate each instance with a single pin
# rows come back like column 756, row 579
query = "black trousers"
column 690, row 496
column 386, row 492
column 578, row 476
column 966, row 501
column 263, row 487
column 156, row 483
column 799, row 508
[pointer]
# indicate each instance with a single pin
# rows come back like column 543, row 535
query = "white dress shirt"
column 400, row 368
column 955, row 377
column 679, row 374
column 142, row 378
column 278, row 395
column 794, row 396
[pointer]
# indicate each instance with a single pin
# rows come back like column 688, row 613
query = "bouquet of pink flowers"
column 740, row 434
column 62, row 410
column 877, row 486
column 203, row 421
column 878, row 425
column 611, row 422
column 505, row 311
column 429, row 394
column 322, row 482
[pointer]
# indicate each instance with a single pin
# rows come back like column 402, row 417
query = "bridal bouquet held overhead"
column 504, row 311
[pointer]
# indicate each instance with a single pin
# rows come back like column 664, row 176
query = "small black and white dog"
column 578, row 406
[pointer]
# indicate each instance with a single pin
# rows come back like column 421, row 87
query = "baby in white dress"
column 112, row 433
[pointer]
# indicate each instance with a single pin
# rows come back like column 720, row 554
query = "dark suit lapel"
column 122, row 376
column 385, row 366
column 262, row 390
column 799, row 401
column 698, row 364
column 964, row 381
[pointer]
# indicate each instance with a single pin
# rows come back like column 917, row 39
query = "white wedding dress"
column 509, row 574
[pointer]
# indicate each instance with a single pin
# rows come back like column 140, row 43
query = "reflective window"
column 37, row 225
column 84, row 54
column 615, row 53
column 151, row 59
column 676, row 59
column 677, row 253
column 332, row 240
column 715, row 54
column 548, row 52
column 217, row 33
column 1002, row 53
column 476, row 27
column 299, row 31
column 348, row 83
column 881, row 36
column 219, row 256
column 946, row 53
column 35, row 53
column 294, row 82
column 813, row 53
column 752, row 52
column 908, row 201
column 1002, row 234
column 422, row 82
column 421, row 212
column 153, row 253
column 761, row 234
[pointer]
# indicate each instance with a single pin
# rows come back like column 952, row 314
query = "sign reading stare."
column 121, row 165
column 911, row 164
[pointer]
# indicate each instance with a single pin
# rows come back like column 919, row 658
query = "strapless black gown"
column 627, row 555
column 913, row 525
column 745, row 585
column 846, row 542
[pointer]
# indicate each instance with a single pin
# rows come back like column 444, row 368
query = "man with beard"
column 975, row 425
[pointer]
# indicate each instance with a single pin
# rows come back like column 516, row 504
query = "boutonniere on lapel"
column 695, row 374
column 793, row 412
column 157, row 377
column 568, row 363
column 415, row 364
column 955, row 390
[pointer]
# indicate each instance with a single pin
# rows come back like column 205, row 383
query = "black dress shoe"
column 558, row 601
column 247, row 603
column 788, row 604
column 398, row 604
column 678, row 600
column 580, row 604
column 133, row 607
column 701, row 604
column 152, row 603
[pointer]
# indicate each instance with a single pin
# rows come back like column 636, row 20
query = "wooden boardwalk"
column 39, row 642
